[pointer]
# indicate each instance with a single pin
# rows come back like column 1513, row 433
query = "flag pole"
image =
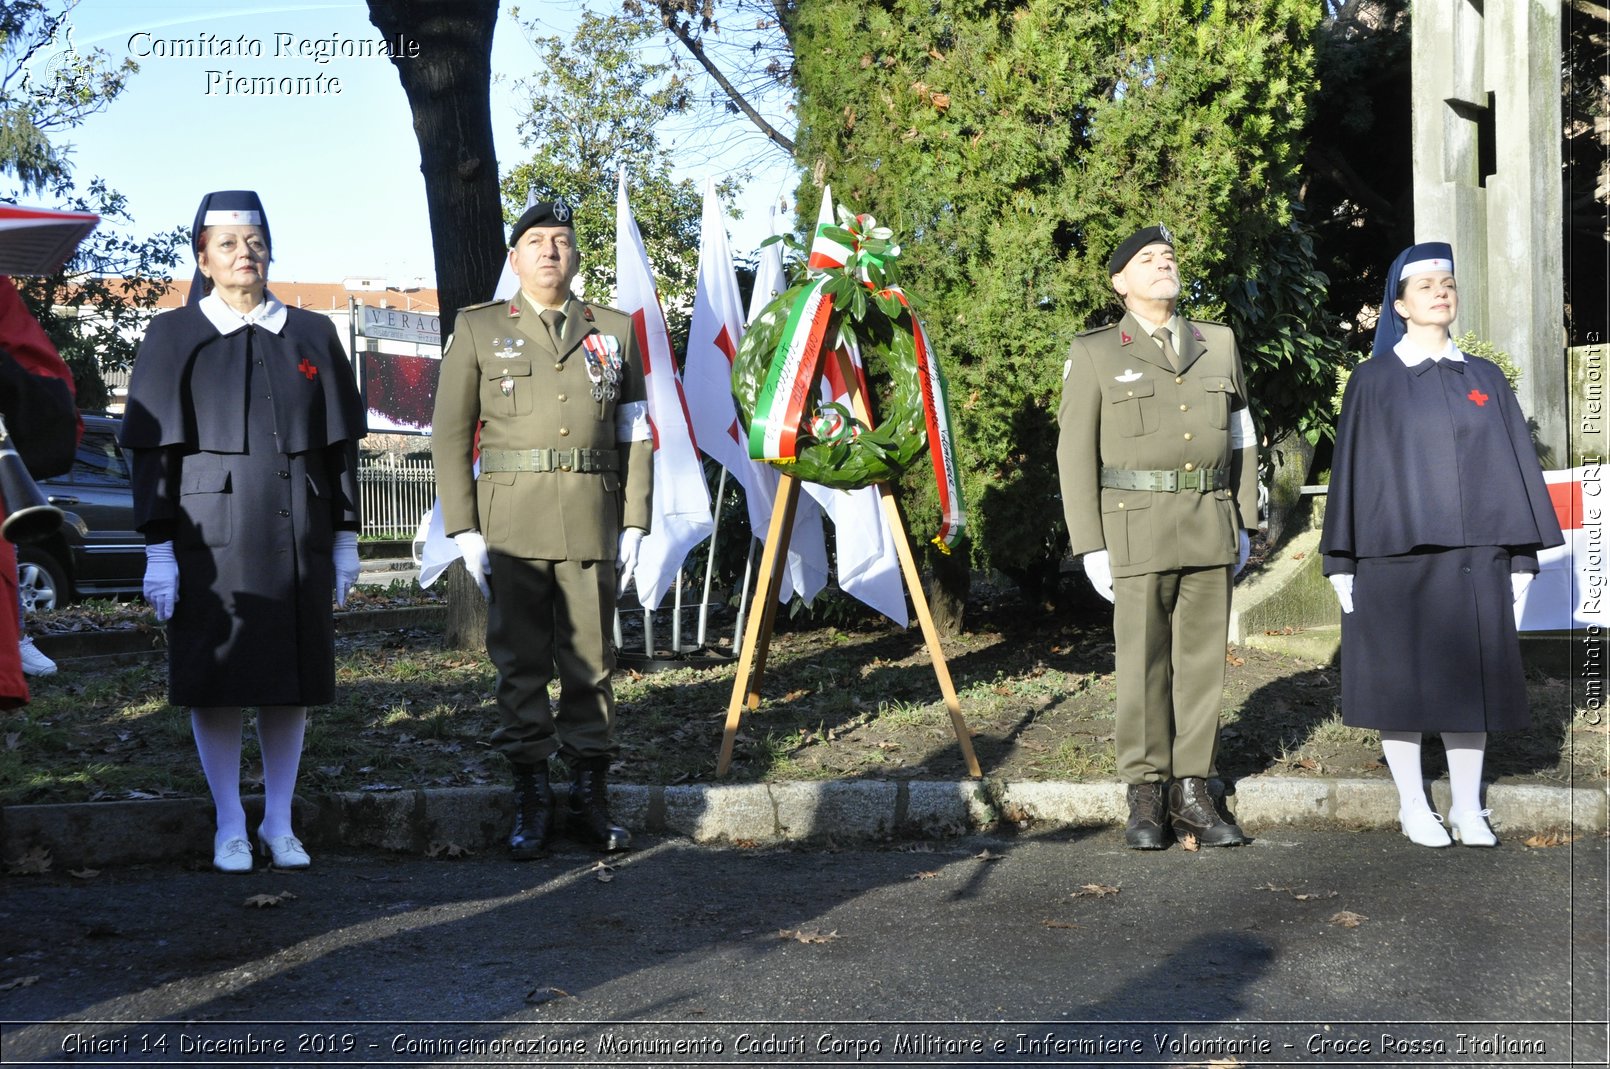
column 710, row 558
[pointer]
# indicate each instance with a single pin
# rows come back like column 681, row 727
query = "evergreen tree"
column 1011, row 145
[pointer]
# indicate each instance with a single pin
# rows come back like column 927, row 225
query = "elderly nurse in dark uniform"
column 1437, row 509
column 242, row 427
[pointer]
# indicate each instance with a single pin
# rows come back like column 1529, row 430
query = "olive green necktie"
column 1165, row 338
column 555, row 321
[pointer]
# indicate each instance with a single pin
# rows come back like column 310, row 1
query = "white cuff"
column 1242, row 433
column 631, row 422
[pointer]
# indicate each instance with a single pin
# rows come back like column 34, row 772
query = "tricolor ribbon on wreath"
column 860, row 311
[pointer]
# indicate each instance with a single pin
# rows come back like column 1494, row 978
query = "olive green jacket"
column 501, row 373
column 1124, row 407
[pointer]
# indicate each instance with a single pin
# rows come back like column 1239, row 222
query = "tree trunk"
column 949, row 581
column 444, row 61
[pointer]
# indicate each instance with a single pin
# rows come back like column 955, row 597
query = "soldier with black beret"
column 550, row 527
column 1158, row 465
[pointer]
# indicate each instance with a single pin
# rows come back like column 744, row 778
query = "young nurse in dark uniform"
column 242, row 428
column 1435, row 514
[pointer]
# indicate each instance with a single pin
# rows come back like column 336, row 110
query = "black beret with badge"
column 542, row 213
column 1135, row 242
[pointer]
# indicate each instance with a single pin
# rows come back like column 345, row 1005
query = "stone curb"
column 477, row 818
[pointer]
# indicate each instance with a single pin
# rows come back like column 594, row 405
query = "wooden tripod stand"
column 763, row 613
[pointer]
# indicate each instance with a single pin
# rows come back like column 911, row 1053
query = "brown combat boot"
column 1193, row 812
column 1147, row 815
column 533, row 812
column 588, row 819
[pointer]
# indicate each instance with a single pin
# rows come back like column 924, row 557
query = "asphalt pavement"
column 1310, row 946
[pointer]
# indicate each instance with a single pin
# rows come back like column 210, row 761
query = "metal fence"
column 395, row 492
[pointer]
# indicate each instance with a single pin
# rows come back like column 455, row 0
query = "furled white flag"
column 868, row 563
column 718, row 325
column 681, row 498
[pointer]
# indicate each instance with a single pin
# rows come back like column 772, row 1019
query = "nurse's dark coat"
column 244, row 453
column 1436, row 496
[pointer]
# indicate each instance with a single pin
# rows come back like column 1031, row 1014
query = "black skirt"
column 1431, row 644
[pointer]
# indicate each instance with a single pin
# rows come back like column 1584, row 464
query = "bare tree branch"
column 679, row 30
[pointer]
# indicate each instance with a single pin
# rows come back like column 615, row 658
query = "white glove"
column 1243, row 550
column 476, row 560
column 161, row 587
column 1343, row 582
column 1098, row 569
column 626, row 557
column 1519, row 581
column 346, row 565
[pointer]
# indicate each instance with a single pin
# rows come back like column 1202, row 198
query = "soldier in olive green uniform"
column 553, row 523
column 1158, row 464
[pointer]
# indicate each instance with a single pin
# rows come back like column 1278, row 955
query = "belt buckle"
column 1190, row 480
column 564, row 459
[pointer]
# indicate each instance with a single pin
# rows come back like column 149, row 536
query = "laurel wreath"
column 835, row 449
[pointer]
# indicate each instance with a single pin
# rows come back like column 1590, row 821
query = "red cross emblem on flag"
column 307, row 369
column 1478, row 397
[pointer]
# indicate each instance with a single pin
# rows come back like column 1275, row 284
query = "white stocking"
column 1466, row 749
column 279, row 732
column 1402, row 749
column 217, row 731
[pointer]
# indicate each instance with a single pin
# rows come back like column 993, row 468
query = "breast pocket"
column 1220, row 392
column 205, row 505
column 1132, row 406
column 506, row 388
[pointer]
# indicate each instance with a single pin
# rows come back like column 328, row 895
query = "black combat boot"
column 533, row 812
column 1191, row 808
column 588, row 818
column 1147, row 814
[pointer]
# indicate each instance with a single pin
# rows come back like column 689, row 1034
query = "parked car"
column 97, row 552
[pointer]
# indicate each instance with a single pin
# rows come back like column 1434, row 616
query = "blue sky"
column 338, row 171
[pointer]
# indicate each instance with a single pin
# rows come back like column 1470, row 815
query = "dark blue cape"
column 174, row 399
column 1433, row 455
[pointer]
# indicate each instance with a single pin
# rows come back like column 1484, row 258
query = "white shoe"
column 1471, row 829
column 1423, row 827
column 285, row 851
column 34, row 663
column 232, row 855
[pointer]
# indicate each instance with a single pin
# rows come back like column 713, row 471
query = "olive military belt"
column 584, row 461
column 1202, row 480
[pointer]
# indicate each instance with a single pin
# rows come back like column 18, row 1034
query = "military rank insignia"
column 603, row 353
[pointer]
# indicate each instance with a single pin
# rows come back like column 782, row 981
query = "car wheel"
column 41, row 583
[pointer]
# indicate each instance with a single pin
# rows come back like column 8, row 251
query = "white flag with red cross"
column 681, row 499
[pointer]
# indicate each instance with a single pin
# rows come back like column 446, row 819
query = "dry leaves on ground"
column 1301, row 896
column 602, row 872
column 1545, row 839
column 1188, row 842
column 440, row 849
column 1058, row 924
column 987, row 855
column 1348, row 919
column 84, row 874
column 35, row 862
column 800, row 935
column 268, row 901
column 1100, row 890
column 537, row 996
column 21, row 981
column 927, row 874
